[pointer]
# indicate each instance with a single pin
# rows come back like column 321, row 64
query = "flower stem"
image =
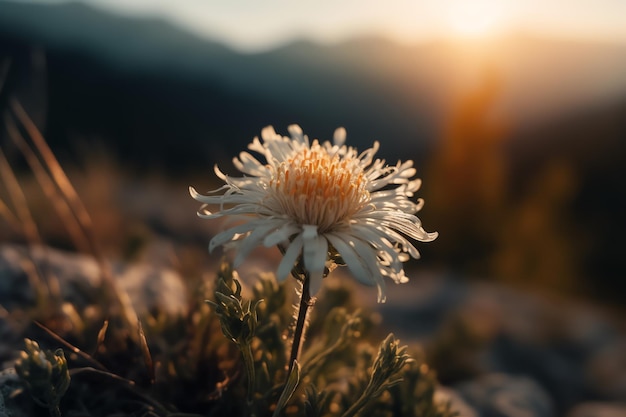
column 305, row 303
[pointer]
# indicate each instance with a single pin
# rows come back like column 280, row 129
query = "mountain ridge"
column 423, row 76
column 377, row 88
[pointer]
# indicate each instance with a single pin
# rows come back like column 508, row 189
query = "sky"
column 253, row 25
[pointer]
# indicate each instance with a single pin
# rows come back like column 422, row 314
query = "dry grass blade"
column 24, row 223
column 29, row 228
column 10, row 218
column 145, row 352
column 101, row 334
column 48, row 187
column 80, row 213
column 62, row 181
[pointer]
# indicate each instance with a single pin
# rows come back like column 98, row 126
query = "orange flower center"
column 315, row 188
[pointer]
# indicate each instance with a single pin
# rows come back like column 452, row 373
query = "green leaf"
column 290, row 388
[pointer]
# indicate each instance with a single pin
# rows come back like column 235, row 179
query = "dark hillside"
column 158, row 98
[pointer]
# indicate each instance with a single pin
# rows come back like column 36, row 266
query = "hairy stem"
column 305, row 303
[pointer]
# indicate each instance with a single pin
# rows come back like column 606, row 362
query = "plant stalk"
column 248, row 360
column 305, row 303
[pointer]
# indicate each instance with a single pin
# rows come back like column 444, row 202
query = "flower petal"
column 306, row 195
column 248, row 164
column 339, row 138
column 352, row 259
column 314, row 254
column 253, row 240
column 368, row 255
column 289, row 258
column 228, row 235
column 280, row 235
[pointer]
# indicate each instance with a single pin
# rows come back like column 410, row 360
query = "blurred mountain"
column 134, row 82
column 526, row 135
column 150, row 88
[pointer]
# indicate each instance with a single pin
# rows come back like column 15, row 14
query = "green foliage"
column 228, row 356
column 340, row 374
column 45, row 374
column 238, row 320
column 385, row 373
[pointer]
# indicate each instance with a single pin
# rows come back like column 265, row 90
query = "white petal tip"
column 268, row 132
column 295, row 129
column 315, row 285
column 339, row 137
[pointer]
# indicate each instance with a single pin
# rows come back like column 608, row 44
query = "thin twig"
column 126, row 383
column 73, row 348
column 88, row 369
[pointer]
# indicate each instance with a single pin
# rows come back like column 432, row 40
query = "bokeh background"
column 514, row 112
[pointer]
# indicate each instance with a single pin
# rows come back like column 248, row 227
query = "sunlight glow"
column 250, row 25
column 475, row 19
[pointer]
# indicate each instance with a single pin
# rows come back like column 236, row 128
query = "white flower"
column 319, row 200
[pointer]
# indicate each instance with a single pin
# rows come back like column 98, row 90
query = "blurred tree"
column 467, row 178
column 522, row 235
column 537, row 242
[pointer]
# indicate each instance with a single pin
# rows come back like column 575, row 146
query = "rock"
column 8, row 338
column 153, row 289
column 501, row 395
column 587, row 332
column 572, row 349
column 563, row 378
column 444, row 395
column 416, row 310
column 9, row 385
column 598, row 409
column 77, row 279
column 606, row 371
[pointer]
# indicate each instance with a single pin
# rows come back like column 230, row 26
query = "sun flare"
column 476, row 19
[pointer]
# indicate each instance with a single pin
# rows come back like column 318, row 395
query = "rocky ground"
column 498, row 352
column 510, row 353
